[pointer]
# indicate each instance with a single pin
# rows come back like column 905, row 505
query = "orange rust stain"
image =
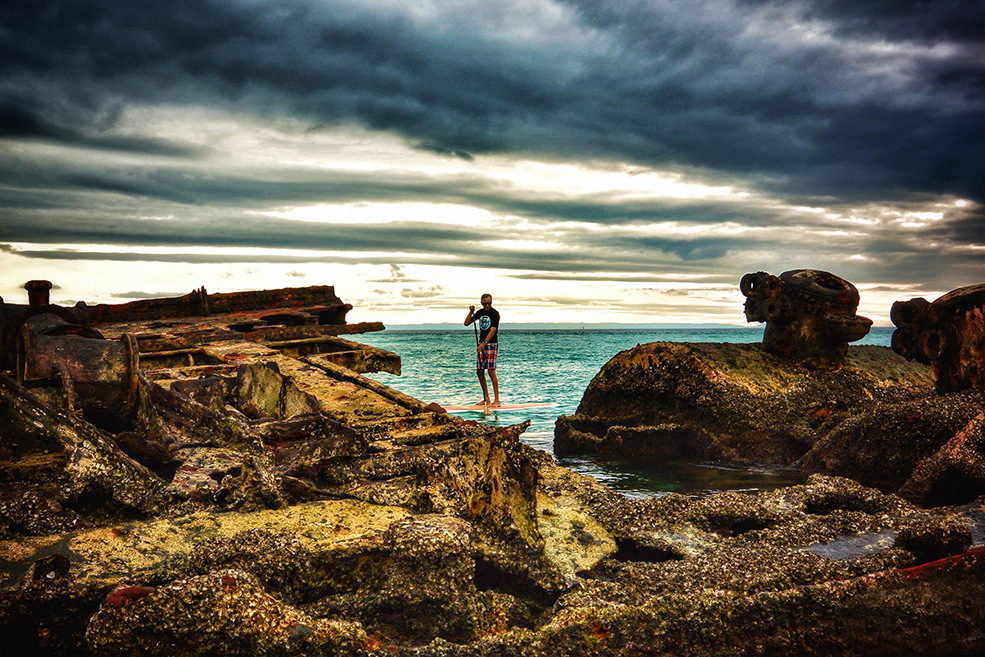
column 956, row 444
column 126, row 595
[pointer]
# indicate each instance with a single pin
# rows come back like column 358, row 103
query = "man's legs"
column 495, row 382
column 482, row 382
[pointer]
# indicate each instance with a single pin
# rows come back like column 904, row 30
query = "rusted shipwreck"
column 212, row 475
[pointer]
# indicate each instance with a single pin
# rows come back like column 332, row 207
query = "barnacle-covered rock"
column 729, row 402
column 223, row 613
column 58, row 472
column 955, row 473
column 933, row 538
column 916, row 447
column 948, row 335
column 225, row 478
column 313, row 511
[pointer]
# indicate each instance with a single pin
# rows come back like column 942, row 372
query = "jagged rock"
column 232, row 616
column 573, row 540
column 426, row 588
column 934, row 538
column 262, row 392
column 225, row 478
column 728, row 402
column 904, row 447
column 58, row 472
column 955, row 473
column 421, row 534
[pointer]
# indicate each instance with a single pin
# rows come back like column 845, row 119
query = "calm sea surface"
column 556, row 366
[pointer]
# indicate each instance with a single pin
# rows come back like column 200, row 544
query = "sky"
column 582, row 160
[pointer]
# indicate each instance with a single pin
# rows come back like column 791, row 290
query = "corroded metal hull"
column 948, row 335
column 809, row 314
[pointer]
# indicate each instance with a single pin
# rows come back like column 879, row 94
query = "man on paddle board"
column 487, row 347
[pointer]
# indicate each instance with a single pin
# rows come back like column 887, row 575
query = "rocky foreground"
column 419, row 534
column 261, row 497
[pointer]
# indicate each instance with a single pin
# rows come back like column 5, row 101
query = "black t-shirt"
column 487, row 319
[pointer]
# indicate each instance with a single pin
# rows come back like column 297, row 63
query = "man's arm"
column 468, row 318
column 489, row 336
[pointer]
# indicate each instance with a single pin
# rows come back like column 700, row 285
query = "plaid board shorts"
column 486, row 360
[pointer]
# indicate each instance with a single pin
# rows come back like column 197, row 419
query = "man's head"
column 486, row 299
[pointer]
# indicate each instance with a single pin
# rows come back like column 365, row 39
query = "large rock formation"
column 729, row 402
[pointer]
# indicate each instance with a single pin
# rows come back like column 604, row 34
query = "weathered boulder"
column 225, row 479
column 809, row 569
column 904, row 447
column 955, row 473
column 728, row 402
column 313, row 511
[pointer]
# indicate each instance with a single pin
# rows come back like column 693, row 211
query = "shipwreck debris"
column 948, row 335
column 52, row 346
column 809, row 314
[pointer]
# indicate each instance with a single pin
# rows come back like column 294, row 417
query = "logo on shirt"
column 485, row 322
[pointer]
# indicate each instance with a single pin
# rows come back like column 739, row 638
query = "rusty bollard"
column 948, row 335
column 38, row 292
column 809, row 314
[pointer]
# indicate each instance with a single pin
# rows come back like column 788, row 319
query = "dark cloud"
column 422, row 292
column 18, row 123
column 641, row 82
column 135, row 294
column 829, row 103
column 942, row 20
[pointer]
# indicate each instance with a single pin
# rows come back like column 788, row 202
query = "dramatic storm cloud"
column 582, row 159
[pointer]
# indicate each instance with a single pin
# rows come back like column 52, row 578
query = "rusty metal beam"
column 199, row 303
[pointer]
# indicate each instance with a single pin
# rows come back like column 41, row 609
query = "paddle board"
column 503, row 407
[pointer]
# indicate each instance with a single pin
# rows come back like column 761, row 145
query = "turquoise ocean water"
column 556, row 366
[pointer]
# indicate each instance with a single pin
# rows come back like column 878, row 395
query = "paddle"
column 475, row 328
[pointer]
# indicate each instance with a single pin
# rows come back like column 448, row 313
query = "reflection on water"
column 556, row 366
column 691, row 479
